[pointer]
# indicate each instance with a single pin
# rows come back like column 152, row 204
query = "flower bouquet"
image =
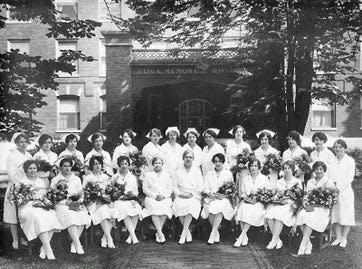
column 321, row 197
column 129, row 196
column 44, row 203
column 249, row 197
column 113, row 192
column 137, row 159
column 295, row 194
column 273, row 162
column 242, row 160
column 75, row 203
column 20, row 194
column 58, row 193
column 266, row 196
column 44, row 166
column 93, row 192
column 229, row 190
column 303, row 162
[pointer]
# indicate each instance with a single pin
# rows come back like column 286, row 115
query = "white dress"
column 317, row 219
column 173, row 157
column 290, row 155
column 248, row 213
column 66, row 216
column 213, row 182
column 107, row 161
column 188, row 182
column 76, row 153
column 15, row 172
column 343, row 174
column 149, row 151
column 261, row 154
column 97, row 211
column 197, row 153
column 129, row 208
column 49, row 157
column 284, row 213
column 206, row 157
column 326, row 156
column 157, row 184
column 35, row 220
column 122, row 150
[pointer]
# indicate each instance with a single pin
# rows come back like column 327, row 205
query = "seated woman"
column 188, row 187
column 100, row 213
column 251, row 212
column 72, row 220
column 278, row 215
column 128, row 210
column 216, row 205
column 317, row 219
column 158, row 187
column 37, row 221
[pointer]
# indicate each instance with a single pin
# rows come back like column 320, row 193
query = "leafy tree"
column 290, row 51
column 24, row 78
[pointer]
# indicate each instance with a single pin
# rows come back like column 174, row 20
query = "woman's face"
column 97, row 166
column 157, row 165
column 191, row 138
column 218, row 163
column 47, row 144
column 291, row 142
column 126, row 139
column 188, row 159
column 123, row 166
column 98, row 143
column 172, row 136
column 254, row 167
column 155, row 138
column 287, row 170
column 66, row 168
column 22, row 144
column 319, row 172
column 32, row 170
column 209, row 139
column 72, row 144
column 239, row 133
column 319, row 143
column 264, row 140
column 339, row 149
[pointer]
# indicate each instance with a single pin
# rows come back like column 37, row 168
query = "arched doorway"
column 197, row 113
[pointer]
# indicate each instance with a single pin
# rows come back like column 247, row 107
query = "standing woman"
column 191, row 135
column 216, row 205
column 188, row 187
column 100, row 213
column 126, row 148
column 71, row 141
column 36, row 221
column 322, row 153
column 251, row 212
column 294, row 149
column 128, row 210
column 152, row 148
column 73, row 221
column 278, row 215
column 172, row 151
column 210, row 150
column 158, row 187
column 15, row 172
column 97, row 140
column 317, row 219
column 343, row 212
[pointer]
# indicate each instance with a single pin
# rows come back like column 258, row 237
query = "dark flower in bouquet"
column 113, row 192
column 75, row 203
column 229, row 190
column 129, row 196
column 322, row 197
column 273, row 162
column 242, row 160
column 44, row 166
column 44, row 203
column 137, row 160
column 21, row 193
column 266, row 196
column 58, row 193
column 295, row 194
column 303, row 162
column 93, row 192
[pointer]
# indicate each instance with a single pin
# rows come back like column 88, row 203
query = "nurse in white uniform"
column 126, row 148
column 172, row 151
column 191, row 135
column 97, row 140
column 210, row 150
column 152, row 148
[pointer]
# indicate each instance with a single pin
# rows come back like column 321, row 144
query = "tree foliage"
column 23, row 78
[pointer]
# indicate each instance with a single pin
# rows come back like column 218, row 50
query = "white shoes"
column 238, row 242
column 42, row 253
column 343, row 243
column 245, row 241
column 104, row 242
column 279, row 244
column 308, row 249
column 188, row 237
column 160, row 239
column 336, row 242
column 217, row 237
column 182, row 239
column 72, row 248
column 211, row 240
column 129, row 240
column 111, row 244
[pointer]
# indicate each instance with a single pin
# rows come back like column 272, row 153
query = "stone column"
column 118, row 81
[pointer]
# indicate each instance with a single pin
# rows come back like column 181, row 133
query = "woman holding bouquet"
column 100, row 213
column 210, row 150
column 15, row 172
column 191, row 135
column 158, row 187
column 126, row 148
column 35, row 220
column 281, row 214
column 128, row 209
column 187, row 189
column 216, row 205
column 314, row 217
column 70, row 212
column 152, row 148
column 343, row 212
column 322, row 153
column 97, row 140
column 172, row 151
column 251, row 212
column 71, row 141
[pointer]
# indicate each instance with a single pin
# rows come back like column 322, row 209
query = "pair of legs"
column 159, row 221
column 215, row 221
column 185, row 235
column 75, row 233
column 305, row 246
column 46, row 249
column 107, row 239
column 243, row 238
column 341, row 235
column 131, row 224
column 276, row 227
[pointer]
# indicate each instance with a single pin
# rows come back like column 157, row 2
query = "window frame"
column 332, row 108
column 62, row 2
column 75, row 74
column 68, row 96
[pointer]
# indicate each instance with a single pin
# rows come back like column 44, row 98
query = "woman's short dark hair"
column 70, row 137
column 294, row 135
column 156, row 132
column 27, row 164
column 17, row 139
column 265, row 134
column 254, row 160
column 192, row 132
column 156, row 158
column 341, row 142
column 291, row 164
column 98, row 158
column 43, row 138
column 96, row 136
column 129, row 132
column 319, row 164
column 66, row 160
column 210, row 132
column 236, row 127
column 320, row 136
column 220, row 156
column 123, row 158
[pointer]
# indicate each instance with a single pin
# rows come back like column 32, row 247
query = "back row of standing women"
column 172, row 168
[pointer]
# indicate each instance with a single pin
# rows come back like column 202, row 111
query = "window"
column 22, row 45
column 107, row 8
column 68, row 9
column 196, row 113
column 67, row 45
column 323, row 114
column 102, row 58
column 68, row 113
column 103, row 113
